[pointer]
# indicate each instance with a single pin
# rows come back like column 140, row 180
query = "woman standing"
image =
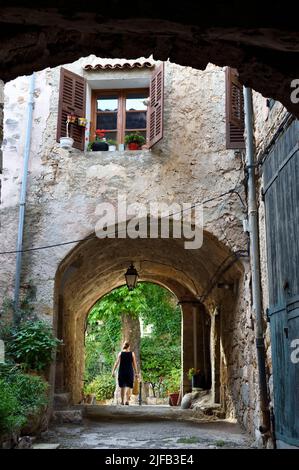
column 126, row 361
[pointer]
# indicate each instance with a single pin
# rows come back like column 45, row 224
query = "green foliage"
column 160, row 352
column 102, row 386
column 220, row 443
column 111, row 142
column 21, row 395
column 101, row 346
column 162, row 312
column 192, row 372
column 173, row 380
column 160, row 361
column 188, row 440
column 25, row 309
column 117, row 302
column 134, row 137
column 31, row 343
column 31, row 390
column 11, row 417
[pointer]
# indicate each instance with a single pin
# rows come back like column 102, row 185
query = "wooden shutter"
column 72, row 100
column 155, row 109
column 234, row 110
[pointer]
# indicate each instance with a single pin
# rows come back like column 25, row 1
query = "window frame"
column 121, row 112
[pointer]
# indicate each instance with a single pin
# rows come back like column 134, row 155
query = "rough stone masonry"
column 190, row 164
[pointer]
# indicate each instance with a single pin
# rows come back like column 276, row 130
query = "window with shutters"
column 119, row 112
column 234, row 111
column 72, row 100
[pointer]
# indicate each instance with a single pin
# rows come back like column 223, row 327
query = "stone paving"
column 122, row 433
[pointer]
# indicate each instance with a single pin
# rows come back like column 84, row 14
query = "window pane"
column 107, row 121
column 111, row 136
column 136, row 120
column 135, row 101
column 107, row 103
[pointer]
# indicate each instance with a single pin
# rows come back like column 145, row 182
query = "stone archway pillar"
column 195, row 341
column 216, row 355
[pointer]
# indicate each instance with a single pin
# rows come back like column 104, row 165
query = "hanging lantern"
column 131, row 277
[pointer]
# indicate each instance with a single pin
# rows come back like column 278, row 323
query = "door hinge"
column 286, row 332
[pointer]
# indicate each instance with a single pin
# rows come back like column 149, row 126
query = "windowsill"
column 118, row 152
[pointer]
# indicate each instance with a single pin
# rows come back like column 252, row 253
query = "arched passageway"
column 196, row 277
column 263, row 49
column 149, row 318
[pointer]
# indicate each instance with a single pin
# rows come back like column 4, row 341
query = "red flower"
column 100, row 133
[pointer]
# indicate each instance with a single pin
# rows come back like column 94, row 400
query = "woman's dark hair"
column 126, row 345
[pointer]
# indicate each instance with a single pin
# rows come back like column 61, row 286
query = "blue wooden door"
column 281, row 197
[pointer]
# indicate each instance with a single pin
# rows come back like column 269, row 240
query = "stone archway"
column 96, row 266
column 264, row 50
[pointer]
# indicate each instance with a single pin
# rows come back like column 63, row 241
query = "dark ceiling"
column 261, row 39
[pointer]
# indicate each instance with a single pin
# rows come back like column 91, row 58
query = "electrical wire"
column 222, row 269
column 55, row 245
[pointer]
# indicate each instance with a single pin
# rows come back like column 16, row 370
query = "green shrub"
column 32, row 344
column 21, row 396
column 173, row 381
column 32, row 392
column 12, row 417
column 102, row 386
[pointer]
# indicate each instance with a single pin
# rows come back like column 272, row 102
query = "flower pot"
column 198, row 380
column 66, row 142
column 71, row 118
column 133, row 146
column 173, row 398
column 112, row 148
column 82, row 122
column 100, row 147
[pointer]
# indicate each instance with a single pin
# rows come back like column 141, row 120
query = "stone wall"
column 1, row 129
column 190, row 164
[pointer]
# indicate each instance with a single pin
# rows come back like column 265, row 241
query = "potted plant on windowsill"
column 112, row 145
column 134, row 141
column 99, row 144
column 197, row 378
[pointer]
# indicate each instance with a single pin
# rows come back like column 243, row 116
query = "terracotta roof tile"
column 125, row 65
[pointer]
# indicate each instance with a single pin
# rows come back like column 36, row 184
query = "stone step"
column 61, row 401
column 67, row 416
column 45, row 445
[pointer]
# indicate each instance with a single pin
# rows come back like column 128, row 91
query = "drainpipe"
column 255, row 262
column 23, row 197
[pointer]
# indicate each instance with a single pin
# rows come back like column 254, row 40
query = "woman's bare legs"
column 122, row 394
column 128, row 394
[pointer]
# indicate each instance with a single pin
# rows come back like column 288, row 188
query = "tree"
column 116, row 317
column 121, row 305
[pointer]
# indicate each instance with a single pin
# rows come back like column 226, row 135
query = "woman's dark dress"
column 125, row 371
